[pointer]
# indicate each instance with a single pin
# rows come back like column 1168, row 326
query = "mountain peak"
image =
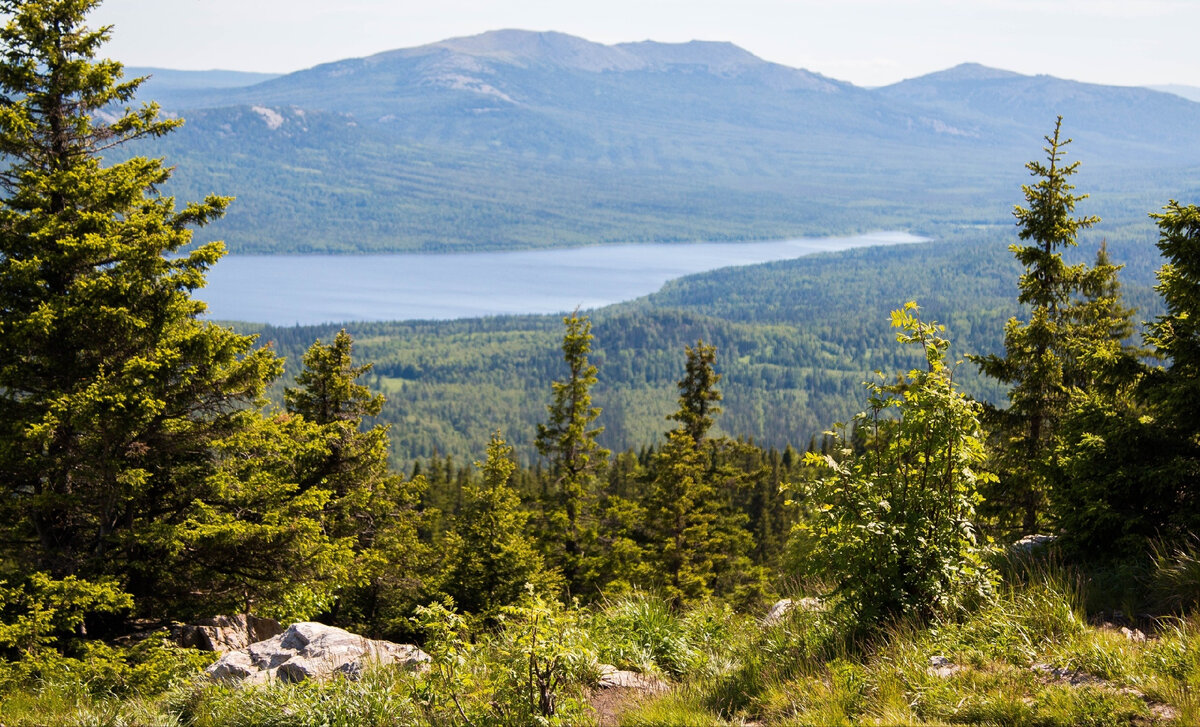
column 967, row 72
column 717, row 56
column 528, row 47
column 522, row 47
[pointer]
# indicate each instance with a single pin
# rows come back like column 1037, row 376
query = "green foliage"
column 893, row 525
column 40, row 613
column 1176, row 334
column 695, row 534
column 131, row 447
column 490, row 559
column 698, row 393
column 374, row 511
column 1037, row 363
column 568, row 442
column 529, row 671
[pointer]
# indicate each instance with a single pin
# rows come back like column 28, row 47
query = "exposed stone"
column 783, row 606
column 1072, row 677
column 941, row 667
column 1134, row 635
column 613, row 678
column 226, row 633
column 311, row 650
column 1031, row 543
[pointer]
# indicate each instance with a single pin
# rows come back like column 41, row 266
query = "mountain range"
column 520, row 139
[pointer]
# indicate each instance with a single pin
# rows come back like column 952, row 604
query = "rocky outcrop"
column 225, row 633
column 783, row 606
column 613, row 678
column 311, row 650
column 1031, row 544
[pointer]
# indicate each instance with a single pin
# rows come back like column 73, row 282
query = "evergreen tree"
column 568, row 442
column 1175, row 336
column 113, row 396
column 1106, row 458
column 1037, row 364
column 377, row 510
column 697, row 537
column 489, row 556
column 698, row 392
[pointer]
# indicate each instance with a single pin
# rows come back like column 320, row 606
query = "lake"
column 309, row 289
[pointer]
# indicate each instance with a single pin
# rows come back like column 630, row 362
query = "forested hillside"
column 795, row 340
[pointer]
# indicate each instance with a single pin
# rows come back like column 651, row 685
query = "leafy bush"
column 38, row 612
column 892, row 528
column 528, row 671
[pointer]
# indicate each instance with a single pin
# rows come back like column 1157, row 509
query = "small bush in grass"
column 892, row 527
column 529, row 670
column 640, row 632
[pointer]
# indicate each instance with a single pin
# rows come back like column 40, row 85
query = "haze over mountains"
column 521, row 139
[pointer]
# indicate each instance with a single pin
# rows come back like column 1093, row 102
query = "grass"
column 1028, row 658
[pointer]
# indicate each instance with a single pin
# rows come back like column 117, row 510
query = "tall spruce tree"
column 696, row 536
column 489, row 556
column 375, row 509
column 568, row 442
column 1036, row 364
column 1130, row 452
column 118, row 407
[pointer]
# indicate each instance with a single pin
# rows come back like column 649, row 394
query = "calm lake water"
column 308, row 289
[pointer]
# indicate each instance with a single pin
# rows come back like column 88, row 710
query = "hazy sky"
column 868, row 42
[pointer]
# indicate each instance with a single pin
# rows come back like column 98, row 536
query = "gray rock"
column 613, row 678
column 1031, row 543
column 783, row 606
column 226, row 633
column 311, row 650
column 941, row 667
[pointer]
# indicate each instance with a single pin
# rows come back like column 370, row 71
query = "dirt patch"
column 610, row 704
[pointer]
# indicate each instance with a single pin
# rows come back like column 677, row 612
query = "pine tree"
column 697, row 536
column 1036, row 363
column 377, row 510
column 113, row 396
column 698, row 392
column 1176, row 335
column 489, row 556
column 568, row 442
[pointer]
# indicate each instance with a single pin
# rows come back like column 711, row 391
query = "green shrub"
column 529, row 670
column 892, row 527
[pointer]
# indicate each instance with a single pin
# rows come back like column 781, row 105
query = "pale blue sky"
column 868, row 42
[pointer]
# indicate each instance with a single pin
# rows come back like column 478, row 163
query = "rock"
column 783, row 606
column 311, row 650
column 1134, row 635
column 778, row 611
column 613, row 678
column 941, row 667
column 226, row 633
column 1072, row 677
column 1031, row 543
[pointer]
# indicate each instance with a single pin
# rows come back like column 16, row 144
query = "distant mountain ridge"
column 523, row 139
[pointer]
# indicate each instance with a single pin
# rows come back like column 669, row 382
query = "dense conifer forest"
column 1001, row 530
